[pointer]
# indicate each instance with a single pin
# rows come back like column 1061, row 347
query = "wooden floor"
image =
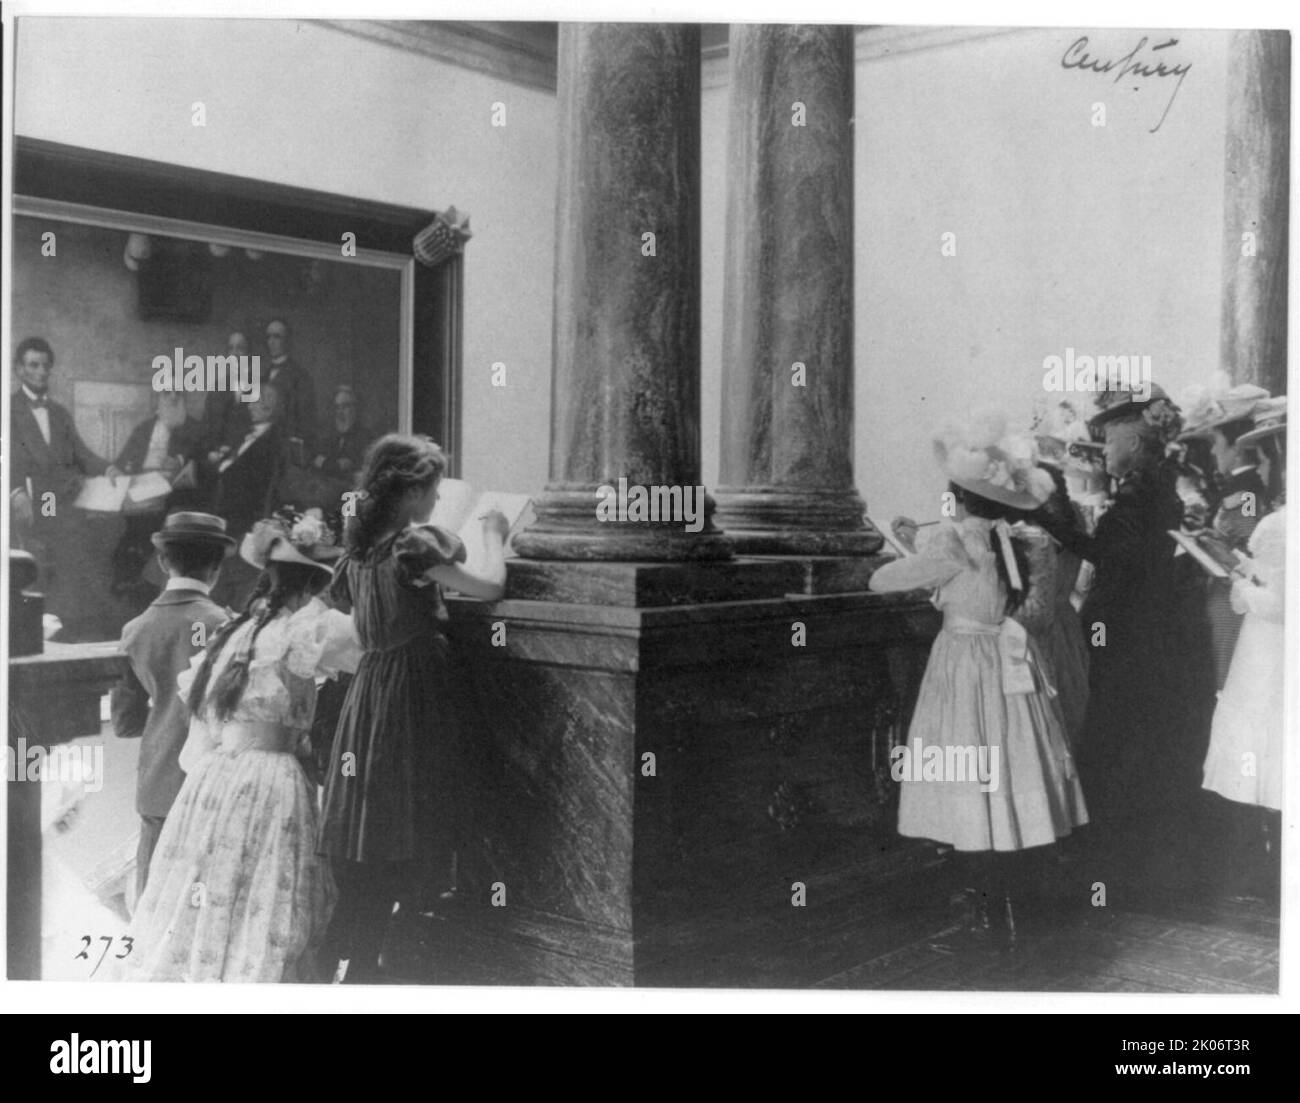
column 890, row 924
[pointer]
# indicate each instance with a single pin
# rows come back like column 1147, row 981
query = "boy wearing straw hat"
column 160, row 643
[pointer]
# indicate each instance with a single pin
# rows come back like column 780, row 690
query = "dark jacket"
column 297, row 411
column 342, row 453
column 160, row 643
column 58, row 466
column 1147, row 648
column 184, row 444
column 246, row 491
column 1244, row 502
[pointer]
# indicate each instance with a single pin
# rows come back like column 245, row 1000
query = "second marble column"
column 786, row 483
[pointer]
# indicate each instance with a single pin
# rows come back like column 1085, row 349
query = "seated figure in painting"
column 225, row 418
column 340, row 450
column 341, row 446
column 247, row 484
column 167, row 443
column 294, row 382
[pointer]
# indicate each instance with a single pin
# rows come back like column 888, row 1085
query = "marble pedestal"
column 639, row 738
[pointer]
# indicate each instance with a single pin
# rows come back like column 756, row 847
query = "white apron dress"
column 1244, row 762
column 962, row 703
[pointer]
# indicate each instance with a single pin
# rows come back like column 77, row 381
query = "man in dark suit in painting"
column 249, row 476
column 293, row 381
column 225, row 417
column 48, row 461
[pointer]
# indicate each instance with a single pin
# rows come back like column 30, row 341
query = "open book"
column 104, row 495
column 460, row 509
column 1212, row 554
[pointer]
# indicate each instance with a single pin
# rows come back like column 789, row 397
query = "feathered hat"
column 979, row 454
column 1209, row 408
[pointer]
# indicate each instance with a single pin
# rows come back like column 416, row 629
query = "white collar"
column 33, row 396
column 183, row 583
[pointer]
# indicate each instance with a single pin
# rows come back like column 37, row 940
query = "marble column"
column 625, row 384
column 786, row 483
column 1256, row 195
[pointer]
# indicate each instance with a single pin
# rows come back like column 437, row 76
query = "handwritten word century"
column 1128, row 65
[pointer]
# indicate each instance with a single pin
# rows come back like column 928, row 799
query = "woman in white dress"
column 1244, row 763
column 237, row 892
column 984, row 700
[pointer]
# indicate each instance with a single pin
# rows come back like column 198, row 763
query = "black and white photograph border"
column 574, row 507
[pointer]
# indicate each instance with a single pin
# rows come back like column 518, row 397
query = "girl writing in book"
column 1244, row 764
column 984, row 697
column 236, row 891
column 388, row 806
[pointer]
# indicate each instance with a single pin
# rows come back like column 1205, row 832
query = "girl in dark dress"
column 387, row 798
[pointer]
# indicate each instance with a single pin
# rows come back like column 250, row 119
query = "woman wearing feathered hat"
column 1244, row 764
column 986, row 693
column 1135, row 618
column 236, row 891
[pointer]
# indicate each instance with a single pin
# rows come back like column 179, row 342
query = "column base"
column 639, row 780
column 801, row 522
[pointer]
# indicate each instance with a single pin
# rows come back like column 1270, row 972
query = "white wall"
column 302, row 104
column 1106, row 239
column 1103, row 239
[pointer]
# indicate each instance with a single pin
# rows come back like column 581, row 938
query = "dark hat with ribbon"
column 192, row 528
column 1124, row 402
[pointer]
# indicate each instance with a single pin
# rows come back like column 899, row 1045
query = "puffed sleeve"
column 185, row 679
column 420, row 549
column 321, row 641
column 939, row 558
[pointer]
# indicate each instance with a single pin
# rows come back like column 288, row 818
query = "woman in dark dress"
column 388, row 801
column 1136, row 753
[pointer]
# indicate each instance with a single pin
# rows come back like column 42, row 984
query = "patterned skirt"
column 236, row 891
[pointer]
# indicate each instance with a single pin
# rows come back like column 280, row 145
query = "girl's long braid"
column 230, row 686
column 279, row 584
column 394, row 464
column 215, row 645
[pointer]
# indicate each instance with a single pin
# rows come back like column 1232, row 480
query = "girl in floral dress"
column 236, row 891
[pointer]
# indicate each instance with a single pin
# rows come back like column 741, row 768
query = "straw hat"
column 1235, row 404
column 1269, row 418
column 303, row 538
column 982, row 456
